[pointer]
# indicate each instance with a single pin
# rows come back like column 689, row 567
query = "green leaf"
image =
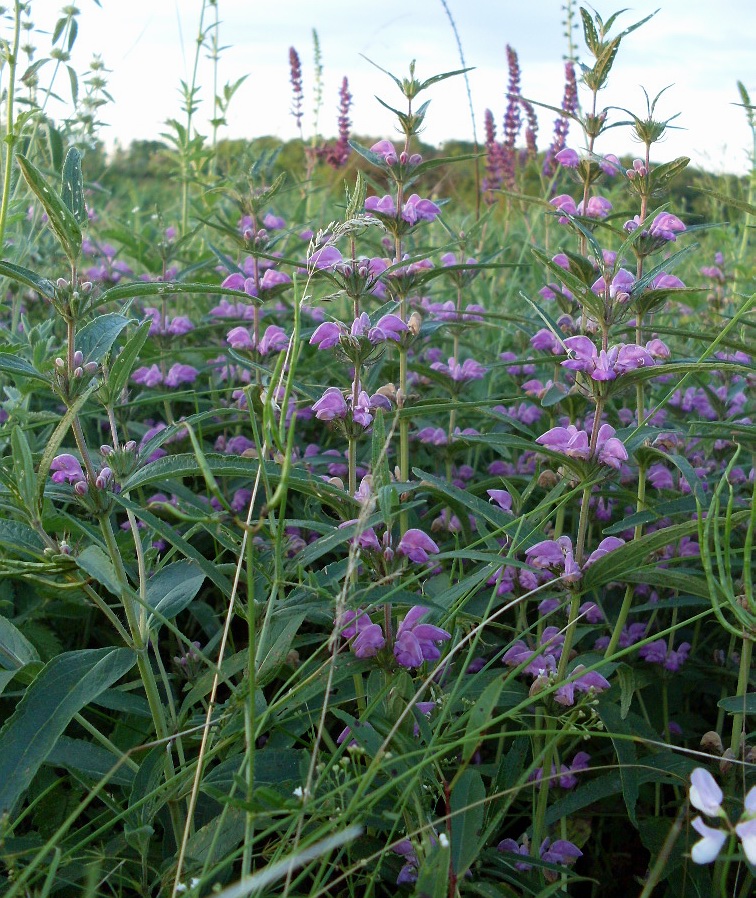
column 13, row 365
column 619, row 728
column 23, row 471
column 15, row 649
column 60, row 219
column 480, row 715
column 19, row 538
column 28, row 278
column 739, row 704
column 276, row 648
column 72, row 186
column 433, row 876
column 171, row 589
column 97, row 337
column 120, row 370
column 96, row 564
column 93, row 761
column 467, row 810
column 61, row 689
column 168, row 288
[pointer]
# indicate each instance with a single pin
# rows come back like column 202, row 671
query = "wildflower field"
column 374, row 520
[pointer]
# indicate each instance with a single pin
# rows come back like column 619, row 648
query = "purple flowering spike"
column 66, row 468
column 330, row 405
column 417, row 546
column 327, row 335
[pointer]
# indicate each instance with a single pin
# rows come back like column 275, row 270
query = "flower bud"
column 105, row 450
column 78, row 372
column 337, row 482
column 59, row 363
column 81, row 488
column 130, row 446
column 91, row 367
column 711, row 742
column 415, row 159
column 403, row 158
column 61, row 283
column 547, row 480
column 728, row 756
column 415, row 323
column 85, row 287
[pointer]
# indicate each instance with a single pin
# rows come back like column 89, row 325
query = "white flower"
column 705, row 794
column 747, row 833
column 705, row 851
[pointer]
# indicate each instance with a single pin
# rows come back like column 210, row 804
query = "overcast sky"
column 700, row 48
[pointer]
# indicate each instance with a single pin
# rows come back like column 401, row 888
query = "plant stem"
column 10, row 133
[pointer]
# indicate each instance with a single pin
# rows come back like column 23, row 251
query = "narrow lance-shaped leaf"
column 60, row 218
column 72, row 186
column 62, row 688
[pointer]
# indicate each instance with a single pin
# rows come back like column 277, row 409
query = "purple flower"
column 330, row 405
column 416, row 642
column 610, row 450
column 238, row 281
column 666, row 226
column 368, row 638
column 273, row 340
column 560, row 852
column 417, row 546
column 327, row 335
column 66, row 469
column 240, row 338
column 746, row 830
column 148, row 377
column 273, row 278
column 417, row 209
column 568, row 158
column 705, row 794
column 384, row 205
column 501, row 498
column 386, row 149
column 389, row 327
column 512, row 847
column 707, row 848
column 567, row 440
column 180, row 374
column 609, row 544
column 325, row 257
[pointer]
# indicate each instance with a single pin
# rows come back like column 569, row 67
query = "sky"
column 697, row 49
